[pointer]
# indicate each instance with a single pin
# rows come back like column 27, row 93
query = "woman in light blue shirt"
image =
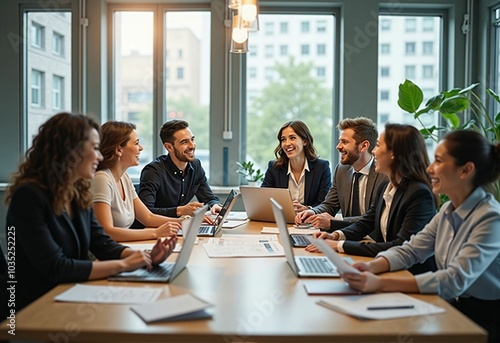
column 464, row 236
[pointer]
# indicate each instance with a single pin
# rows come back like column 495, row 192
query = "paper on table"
column 231, row 224
column 339, row 262
column 249, row 237
column 291, row 230
column 181, row 307
column 226, row 247
column 237, row 215
column 357, row 306
column 109, row 294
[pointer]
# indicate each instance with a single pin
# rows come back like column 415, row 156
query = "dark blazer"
column 412, row 208
column 52, row 249
column 318, row 180
column 339, row 196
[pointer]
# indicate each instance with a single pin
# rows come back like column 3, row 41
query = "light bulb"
column 248, row 12
column 239, row 35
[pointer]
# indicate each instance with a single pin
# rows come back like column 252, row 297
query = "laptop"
column 167, row 271
column 212, row 230
column 256, row 202
column 300, row 241
column 302, row 266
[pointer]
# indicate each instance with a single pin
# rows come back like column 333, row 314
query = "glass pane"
column 413, row 55
column 295, row 84
column 42, row 66
column 133, row 77
column 187, row 56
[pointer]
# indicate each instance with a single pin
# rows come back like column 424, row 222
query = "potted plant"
column 447, row 105
column 252, row 175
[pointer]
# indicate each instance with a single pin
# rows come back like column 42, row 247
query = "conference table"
column 255, row 300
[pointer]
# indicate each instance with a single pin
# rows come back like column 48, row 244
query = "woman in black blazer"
column 51, row 217
column 298, row 168
column 402, row 208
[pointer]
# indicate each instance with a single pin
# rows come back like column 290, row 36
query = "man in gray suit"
column 358, row 137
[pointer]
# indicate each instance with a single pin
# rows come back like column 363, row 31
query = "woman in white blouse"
column 115, row 200
column 464, row 236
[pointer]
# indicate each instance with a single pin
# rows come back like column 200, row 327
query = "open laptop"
column 256, row 202
column 167, row 271
column 308, row 266
column 213, row 229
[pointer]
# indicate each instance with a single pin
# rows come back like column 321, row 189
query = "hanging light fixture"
column 239, row 34
column 249, row 9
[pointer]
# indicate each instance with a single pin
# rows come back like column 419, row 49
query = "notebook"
column 308, row 266
column 212, row 230
column 167, row 271
column 255, row 200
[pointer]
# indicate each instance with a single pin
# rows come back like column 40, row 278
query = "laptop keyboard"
column 159, row 271
column 316, row 265
column 300, row 240
column 205, row 229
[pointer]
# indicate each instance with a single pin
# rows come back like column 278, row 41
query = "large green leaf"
column 452, row 118
column 493, row 94
column 435, row 102
column 452, row 92
column 410, row 96
column 455, row 104
column 468, row 89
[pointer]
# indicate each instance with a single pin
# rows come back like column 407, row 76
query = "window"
column 321, row 72
column 384, row 95
column 292, row 85
column 37, row 81
column 402, row 67
column 176, row 88
column 410, row 72
column 384, row 71
column 427, row 71
column 304, row 27
column 410, row 25
column 428, row 24
column 321, row 26
column 385, row 25
column 268, row 51
column 283, row 27
column 46, row 69
column 410, row 48
column 58, row 44
column 321, row 49
column 252, row 49
column 269, row 28
column 57, row 92
column 252, row 72
column 37, row 35
column 283, row 50
column 428, row 48
column 304, row 49
column 385, row 49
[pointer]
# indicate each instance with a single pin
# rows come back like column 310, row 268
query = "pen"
column 402, row 307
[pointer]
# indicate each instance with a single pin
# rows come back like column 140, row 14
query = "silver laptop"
column 256, row 202
column 167, row 271
column 212, row 230
column 309, row 266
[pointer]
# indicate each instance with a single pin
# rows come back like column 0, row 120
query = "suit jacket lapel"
column 395, row 204
column 349, row 177
column 72, row 228
column 370, row 185
column 308, row 185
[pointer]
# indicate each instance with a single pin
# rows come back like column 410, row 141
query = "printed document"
column 244, row 246
column 109, row 294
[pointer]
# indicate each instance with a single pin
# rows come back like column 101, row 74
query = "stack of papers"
column 244, row 246
column 237, row 215
column 109, row 294
column 380, row 306
column 182, row 307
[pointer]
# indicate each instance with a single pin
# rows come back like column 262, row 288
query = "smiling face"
column 348, row 148
column 444, row 172
column 383, row 156
column 131, row 151
column 291, row 143
column 182, row 151
column 90, row 157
